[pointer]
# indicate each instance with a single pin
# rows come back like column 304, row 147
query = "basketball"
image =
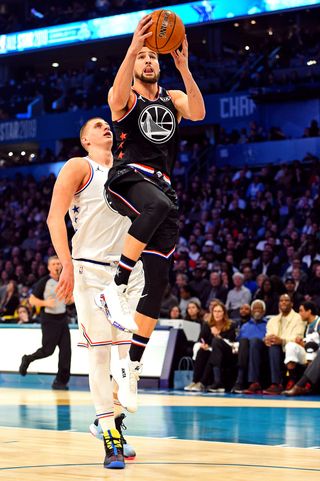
column 168, row 32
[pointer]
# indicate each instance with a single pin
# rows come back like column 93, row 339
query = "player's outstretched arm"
column 190, row 105
column 72, row 176
column 120, row 92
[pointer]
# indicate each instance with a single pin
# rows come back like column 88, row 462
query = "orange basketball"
column 167, row 32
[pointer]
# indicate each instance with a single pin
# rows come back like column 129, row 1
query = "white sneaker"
column 127, row 373
column 113, row 301
column 198, row 387
column 189, row 387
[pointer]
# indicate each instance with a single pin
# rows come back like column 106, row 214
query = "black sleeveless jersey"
column 148, row 133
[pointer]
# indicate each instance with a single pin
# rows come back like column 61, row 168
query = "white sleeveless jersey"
column 99, row 231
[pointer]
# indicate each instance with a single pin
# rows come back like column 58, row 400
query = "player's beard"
column 147, row 80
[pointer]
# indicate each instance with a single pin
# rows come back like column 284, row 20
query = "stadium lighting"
column 55, row 65
column 93, row 59
column 253, row 22
column 270, row 31
column 22, row 153
column 311, row 62
column 247, row 47
column 10, row 154
column 236, row 24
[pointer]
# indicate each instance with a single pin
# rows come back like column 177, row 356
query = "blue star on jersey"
column 76, row 209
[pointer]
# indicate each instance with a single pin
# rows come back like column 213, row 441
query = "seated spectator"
column 213, row 352
column 175, row 313
column 194, row 312
column 268, row 295
column 217, row 291
column 221, row 356
column 249, row 282
column 299, row 352
column 201, row 353
column 237, row 296
column 200, row 285
column 23, row 315
column 186, row 296
column 168, row 301
column 252, row 351
column 281, row 329
column 265, row 264
column 245, row 314
column 10, row 301
column 309, row 381
column 313, row 287
column 295, row 296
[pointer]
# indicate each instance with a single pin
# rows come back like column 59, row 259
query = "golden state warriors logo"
column 157, row 123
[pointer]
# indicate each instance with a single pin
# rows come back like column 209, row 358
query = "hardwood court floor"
column 43, row 436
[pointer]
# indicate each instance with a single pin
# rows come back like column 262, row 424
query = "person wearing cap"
column 237, row 296
column 283, row 328
column 252, row 350
column 305, row 350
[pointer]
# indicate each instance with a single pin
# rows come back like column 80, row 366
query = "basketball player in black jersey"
column 145, row 120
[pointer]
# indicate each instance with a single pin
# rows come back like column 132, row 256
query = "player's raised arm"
column 70, row 179
column 119, row 93
column 190, row 105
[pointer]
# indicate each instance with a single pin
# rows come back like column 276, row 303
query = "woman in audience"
column 175, row 313
column 194, row 312
column 213, row 351
column 23, row 315
column 10, row 301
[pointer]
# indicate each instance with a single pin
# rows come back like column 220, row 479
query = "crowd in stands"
column 85, row 87
column 245, row 235
column 42, row 13
column 255, row 133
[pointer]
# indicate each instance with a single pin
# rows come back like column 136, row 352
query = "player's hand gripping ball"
column 167, row 30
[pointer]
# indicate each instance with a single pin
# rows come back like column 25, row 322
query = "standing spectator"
column 237, row 296
column 54, row 324
column 281, row 329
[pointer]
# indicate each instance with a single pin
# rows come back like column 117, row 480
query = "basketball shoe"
column 126, row 374
column 114, row 303
column 114, row 458
column 96, row 431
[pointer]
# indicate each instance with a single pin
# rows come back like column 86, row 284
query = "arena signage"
column 236, row 106
column 107, row 27
column 18, row 130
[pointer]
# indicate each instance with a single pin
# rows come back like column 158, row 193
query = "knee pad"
column 156, row 273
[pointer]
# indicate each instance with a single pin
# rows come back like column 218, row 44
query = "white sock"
column 101, row 385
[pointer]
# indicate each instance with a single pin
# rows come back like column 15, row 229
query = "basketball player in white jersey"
column 96, row 249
